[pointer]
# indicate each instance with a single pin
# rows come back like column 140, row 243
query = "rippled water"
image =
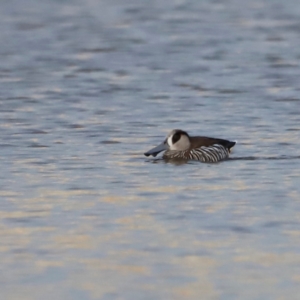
column 87, row 88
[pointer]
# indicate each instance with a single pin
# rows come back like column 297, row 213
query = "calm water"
column 86, row 88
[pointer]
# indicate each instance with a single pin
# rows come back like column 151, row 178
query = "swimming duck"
column 179, row 145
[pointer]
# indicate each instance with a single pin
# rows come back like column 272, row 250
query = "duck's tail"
column 231, row 145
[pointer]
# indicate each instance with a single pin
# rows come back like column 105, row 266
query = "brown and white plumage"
column 179, row 145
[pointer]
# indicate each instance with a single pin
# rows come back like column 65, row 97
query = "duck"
column 180, row 145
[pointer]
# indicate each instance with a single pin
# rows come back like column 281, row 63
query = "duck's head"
column 177, row 140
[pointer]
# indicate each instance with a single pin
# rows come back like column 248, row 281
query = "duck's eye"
column 176, row 137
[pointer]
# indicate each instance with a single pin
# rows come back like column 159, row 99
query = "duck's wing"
column 203, row 141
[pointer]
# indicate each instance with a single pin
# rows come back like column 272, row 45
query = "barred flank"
column 209, row 154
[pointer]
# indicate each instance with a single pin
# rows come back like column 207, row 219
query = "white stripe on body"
column 212, row 153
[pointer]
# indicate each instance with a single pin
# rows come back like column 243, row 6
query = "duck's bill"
column 156, row 150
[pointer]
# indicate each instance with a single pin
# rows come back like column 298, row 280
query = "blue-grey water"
column 86, row 88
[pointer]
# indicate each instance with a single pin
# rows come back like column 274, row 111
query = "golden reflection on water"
column 269, row 259
column 118, row 259
column 73, row 241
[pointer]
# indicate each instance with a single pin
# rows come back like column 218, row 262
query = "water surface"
column 87, row 88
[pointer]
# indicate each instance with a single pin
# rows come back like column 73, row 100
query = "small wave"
column 283, row 157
